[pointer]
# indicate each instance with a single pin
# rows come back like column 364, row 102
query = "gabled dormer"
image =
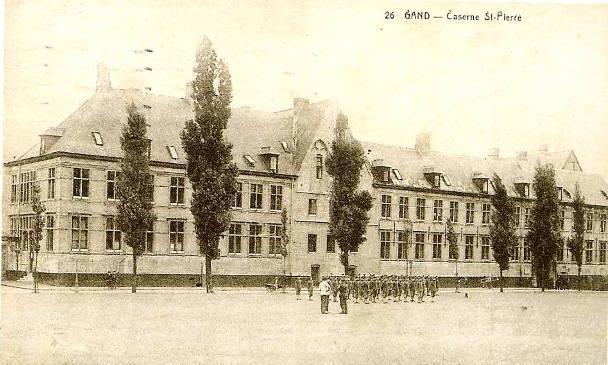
column 522, row 188
column 270, row 158
column 481, row 182
column 49, row 138
column 433, row 177
column 381, row 171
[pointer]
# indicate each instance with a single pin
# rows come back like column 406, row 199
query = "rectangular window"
column 173, row 152
column 177, row 190
column 176, row 236
column 451, row 253
column 80, row 183
column 386, row 206
column 560, row 253
column 319, row 166
column 602, row 252
column 112, row 185
column 470, row 213
column 562, row 218
column 331, row 244
column 312, row 206
column 385, row 245
column 50, row 188
column 454, row 212
column 602, row 223
column 420, row 209
column 97, row 138
column 113, row 235
column 312, row 243
column 255, row 196
column 517, row 217
column 419, row 254
column 397, row 174
column 238, row 197
column 588, row 252
column 468, row 247
column 26, row 186
column 401, row 246
column 255, row 239
column 276, row 197
column 274, row 239
column 437, row 242
column 149, row 243
column 14, row 185
column 527, row 217
column 235, row 231
column 485, row 213
column 403, row 207
column 485, row 248
column 80, row 233
column 274, row 164
column 50, row 231
column 438, row 211
column 589, row 222
column 516, row 249
column 526, row 250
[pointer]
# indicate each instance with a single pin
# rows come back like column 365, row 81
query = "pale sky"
column 472, row 85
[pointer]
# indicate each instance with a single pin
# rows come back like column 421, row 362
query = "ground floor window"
column 149, row 243
column 516, row 249
column 274, row 240
column 401, row 246
column 50, row 231
column 603, row 252
column 437, row 242
column 176, row 235
column 526, row 250
column 331, row 244
column 255, row 239
column 419, row 254
column 234, row 238
column 589, row 252
column 485, row 248
column 468, row 247
column 113, row 235
column 385, row 245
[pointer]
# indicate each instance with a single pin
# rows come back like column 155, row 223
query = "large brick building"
column 281, row 158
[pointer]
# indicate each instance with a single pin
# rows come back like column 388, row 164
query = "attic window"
column 146, row 106
column 446, row 180
column 285, row 146
column 274, row 164
column 604, row 194
column 98, row 139
column 523, row 189
column 249, row 159
column 570, row 196
column 397, row 174
column 172, row 152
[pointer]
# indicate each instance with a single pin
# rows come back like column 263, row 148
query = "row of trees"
column 213, row 174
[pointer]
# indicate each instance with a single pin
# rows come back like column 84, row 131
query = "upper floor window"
column 331, row 244
column 312, row 206
column 312, row 243
column 50, row 189
column 420, row 209
column 562, row 219
column 276, row 197
column 485, row 213
column 176, row 235
column 588, row 252
column 602, row 252
column 255, row 239
column 403, row 207
column 80, row 183
column 589, row 222
column 386, row 206
column 603, row 223
column 14, row 188
column 113, row 235
column 470, row 213
column 274, row 164
column 97, row 138
column 177, row 190
column 319, row 166
column 517, row 217
column 454, row 212
column 438, row 211
column 526, row 218
column 238, row 196
column 255, row 196
column 26, row 186
column 112, row 185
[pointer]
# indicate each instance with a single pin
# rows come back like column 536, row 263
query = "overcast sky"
column 472, row 85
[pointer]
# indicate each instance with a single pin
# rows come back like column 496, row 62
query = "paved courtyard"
column 185, row 326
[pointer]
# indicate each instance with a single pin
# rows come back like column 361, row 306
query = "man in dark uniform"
column 334, row 287
column 343, row 290
column 298, row 287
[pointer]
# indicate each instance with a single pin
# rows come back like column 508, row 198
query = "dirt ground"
column 186, row 326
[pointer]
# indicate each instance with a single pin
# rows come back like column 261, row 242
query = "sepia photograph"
column 304, row 182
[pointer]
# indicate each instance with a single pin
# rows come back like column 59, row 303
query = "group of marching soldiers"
column 375, row 288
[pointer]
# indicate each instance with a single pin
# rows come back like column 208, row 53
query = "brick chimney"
column 493, row 153
column 521, row 155
column 423, row 143
column 298, row 105
column 103, row 78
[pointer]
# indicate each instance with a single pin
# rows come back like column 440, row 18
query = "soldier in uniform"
column 310, row 288
column 355, row 291
column 298, row 286
column 334, row 287
column 412, row 288
column 433, row 287
column 343, row 290
column 366, row 287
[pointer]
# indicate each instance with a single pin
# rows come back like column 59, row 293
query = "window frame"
column 386, row 205
column 312, row 243
column 235, row 238
column 81, row 182
column 313, row 207
column 113, row 235
column 51, row 183
column 254, row 247
column 276, row 197
column 81, row 231
column 470, row 213
column 176, row 235
column 420, row 209
column 177, row 190
column 437, row 240
column 274, row 239
column 112, row 185
column 437, row 210
column 256, row 196
column 385, row 245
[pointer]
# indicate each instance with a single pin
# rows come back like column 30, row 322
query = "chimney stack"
column 189, row 91
column 493, row 153
column 522, row 155
column 299, row 103
column 103, row 78
column 543, row 148
column 423, row 143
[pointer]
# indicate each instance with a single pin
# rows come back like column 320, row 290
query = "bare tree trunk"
column 208, row 281
column 457, row 276
column 36, row 273
column 134, row 279
column 542, row 278
column 284, row 276
column 502, row 284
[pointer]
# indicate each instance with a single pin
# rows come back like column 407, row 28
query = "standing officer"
column 343, row 290
column 298, row 286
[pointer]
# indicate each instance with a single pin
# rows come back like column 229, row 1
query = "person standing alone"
column 298, row 287
column 343, row 291
column 324, row 291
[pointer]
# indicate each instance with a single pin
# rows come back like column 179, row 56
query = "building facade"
column 281, row 158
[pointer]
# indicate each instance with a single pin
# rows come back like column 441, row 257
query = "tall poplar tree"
column 37, row 225
column 284, row 242
column 502, row 227
column 452, row 240
column 576, row 243
column 348, row 206
column 544, row 234
column 134, row 189
column 209, row 155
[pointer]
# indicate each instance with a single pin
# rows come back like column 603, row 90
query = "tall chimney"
column 189, row 91
column 423, row 143
column 103, row 78
column 522, row 155
column 493, row 153
column 299, row 103
column 543, row 148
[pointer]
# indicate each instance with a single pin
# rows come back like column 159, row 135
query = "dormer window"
column 382, row 171
column 249, row 159
column 97, row 138
column 560, row 193
column 446, row 180
column 523, row 189
column 285, row 146
column 432, row 177
column 274, row 164
column 270, row 158
column 173, row 152
column 482, row 183
column 397, row 174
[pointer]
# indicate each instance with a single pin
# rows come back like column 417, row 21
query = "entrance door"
column 314, row 273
